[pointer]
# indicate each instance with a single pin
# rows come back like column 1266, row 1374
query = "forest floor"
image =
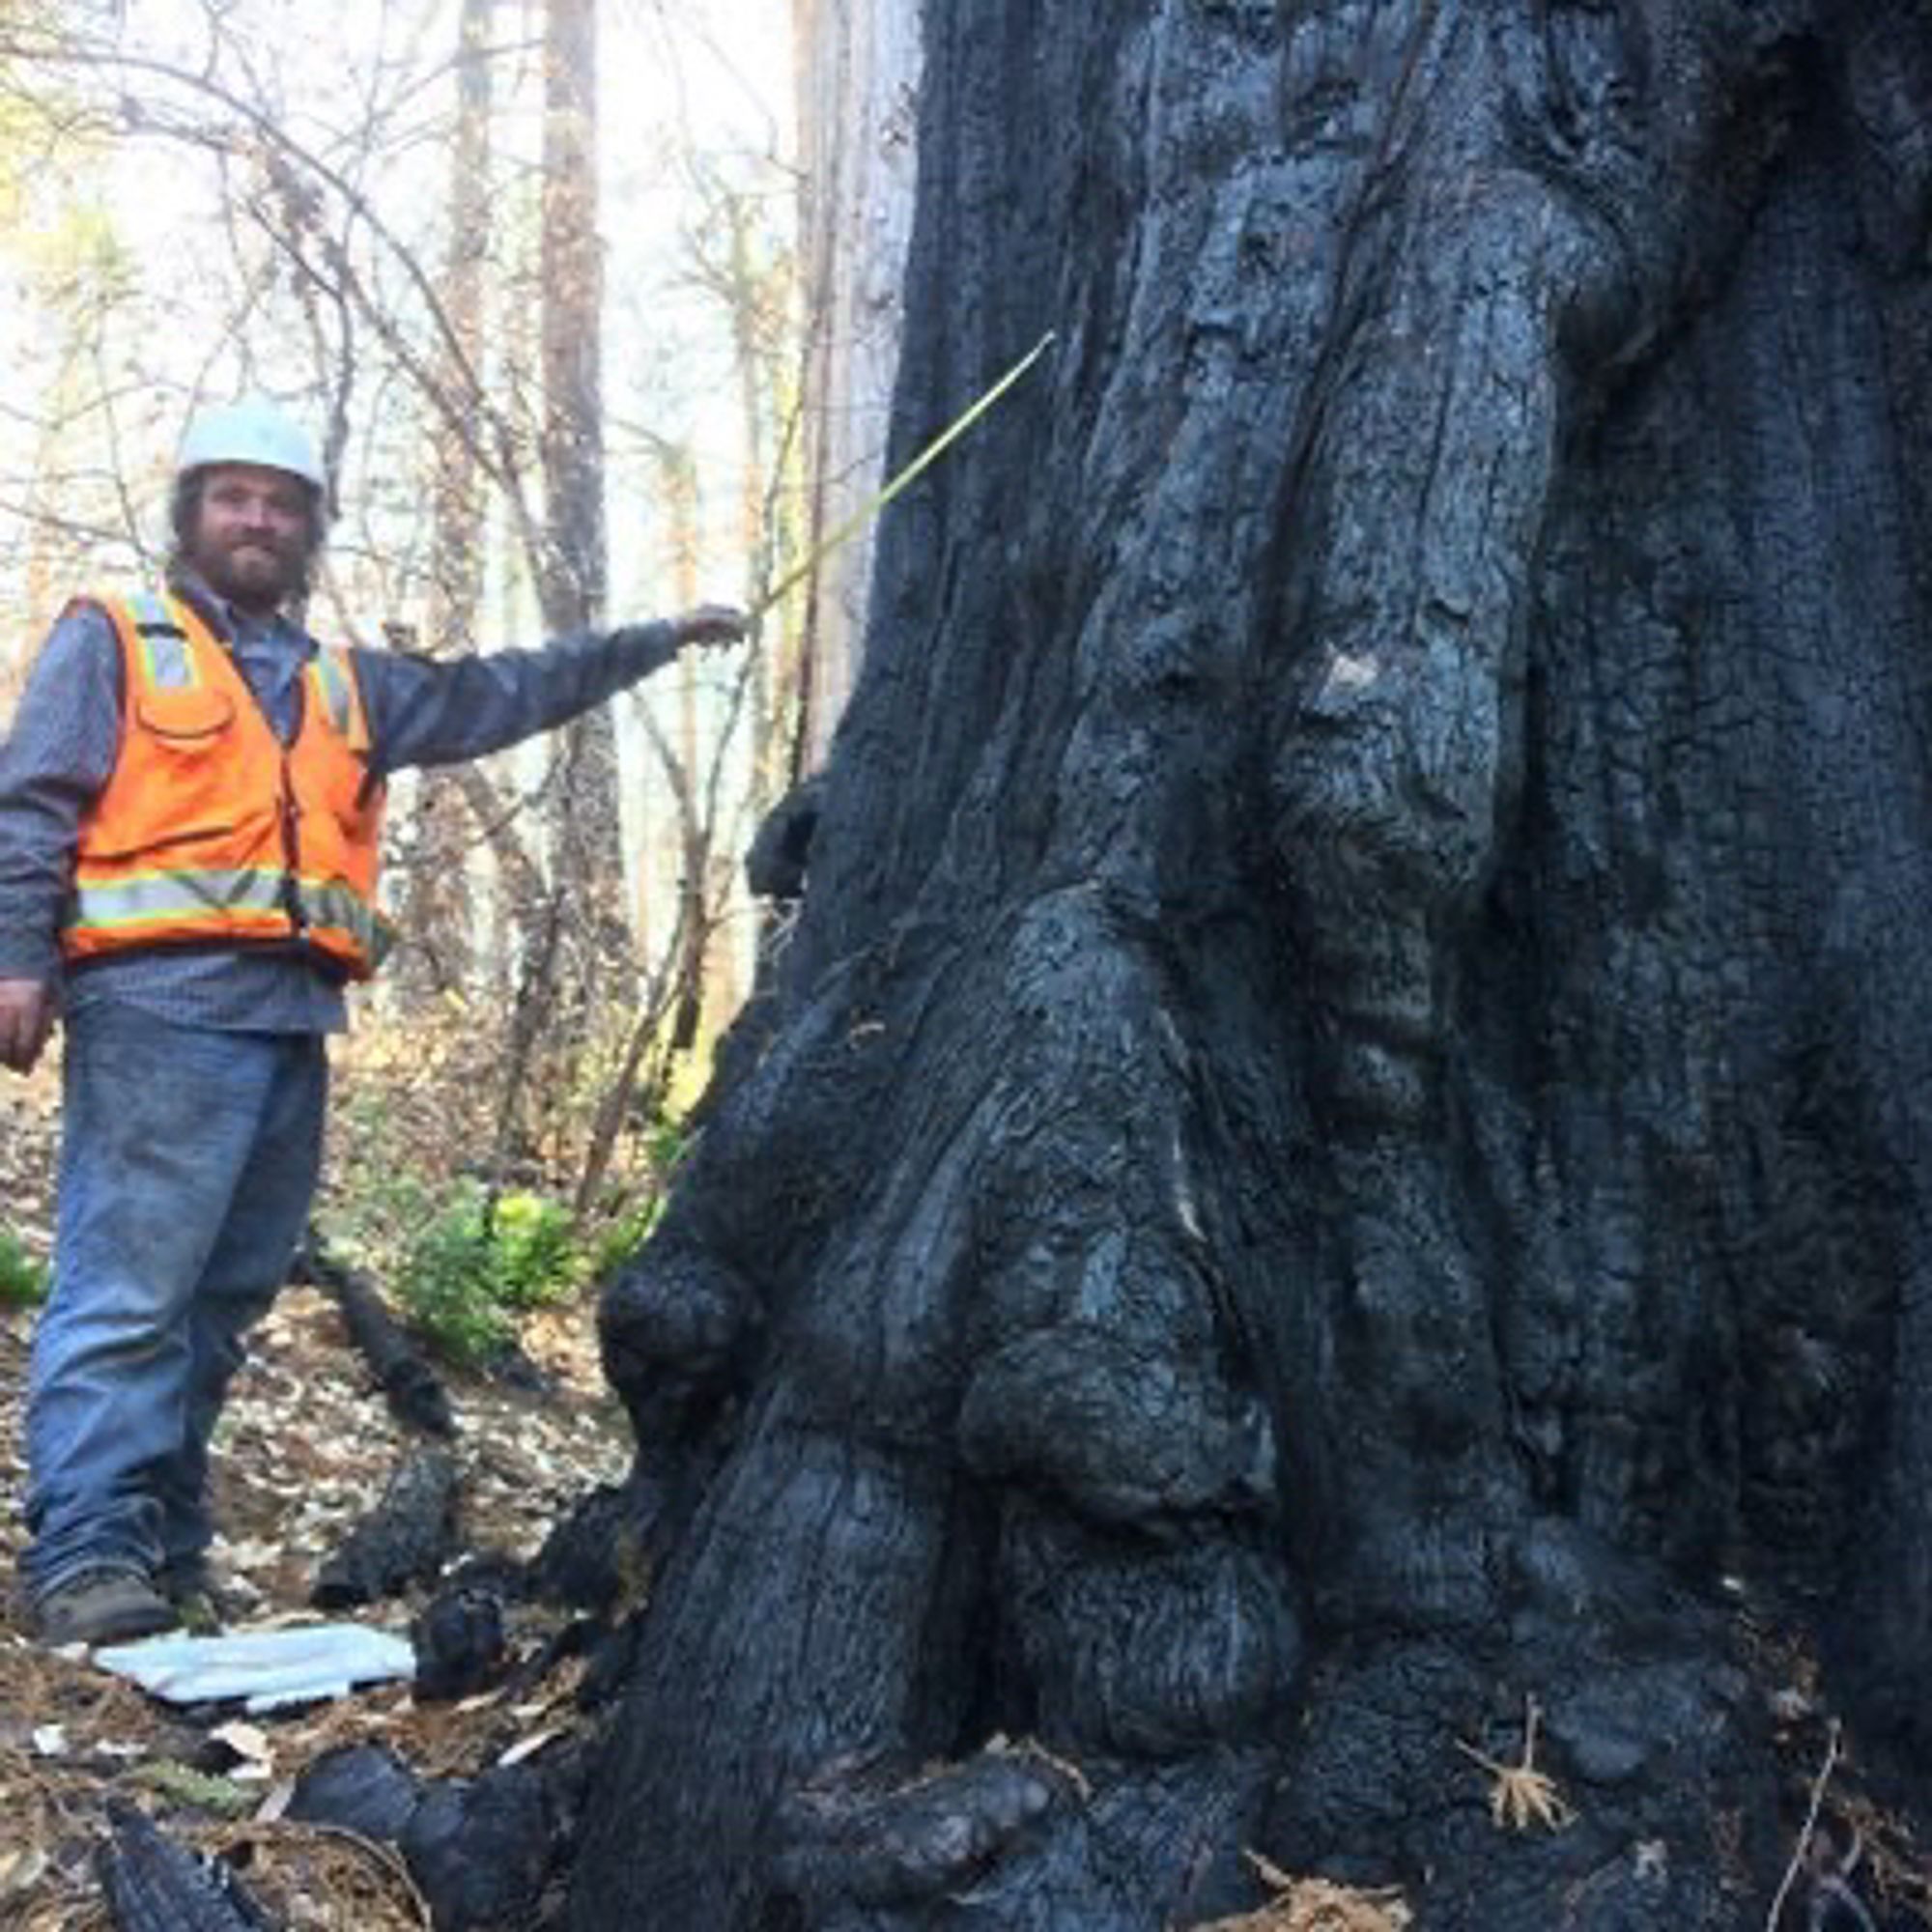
column 304, row 1447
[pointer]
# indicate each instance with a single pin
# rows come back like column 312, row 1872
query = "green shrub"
column 444, row 1287
column 381, row 1195
column 476, row 1264
column 23, row 1276
column 533, row 1251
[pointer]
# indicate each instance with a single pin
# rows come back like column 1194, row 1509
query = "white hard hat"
column 252, row 431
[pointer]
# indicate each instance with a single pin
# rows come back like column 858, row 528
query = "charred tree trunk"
column 1341, row 1142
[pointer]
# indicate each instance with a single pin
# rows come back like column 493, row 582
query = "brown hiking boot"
column 110, row 1602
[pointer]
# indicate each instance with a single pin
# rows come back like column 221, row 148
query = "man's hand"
column 710, row 624
column 26, row 1019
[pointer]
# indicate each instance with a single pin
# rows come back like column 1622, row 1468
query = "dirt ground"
column 305, row 1446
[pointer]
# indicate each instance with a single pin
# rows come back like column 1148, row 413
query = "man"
column 189, row 814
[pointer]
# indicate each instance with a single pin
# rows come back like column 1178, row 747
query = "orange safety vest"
column 210, row 830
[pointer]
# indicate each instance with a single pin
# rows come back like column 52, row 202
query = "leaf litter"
column 305, row 1448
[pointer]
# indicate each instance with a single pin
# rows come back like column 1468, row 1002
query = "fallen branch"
column 406, row 1538
column 415, row 1393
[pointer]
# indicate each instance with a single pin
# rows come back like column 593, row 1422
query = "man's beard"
column 253, row 575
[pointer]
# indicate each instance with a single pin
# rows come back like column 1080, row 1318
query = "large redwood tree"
column 1339, row 1144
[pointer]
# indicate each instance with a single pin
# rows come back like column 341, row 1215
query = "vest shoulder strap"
column 333, row 672
column 161, row 639
column 153, row 614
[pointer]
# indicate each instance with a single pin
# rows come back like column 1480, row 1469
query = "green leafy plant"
column 443, row 1286
column 23, row 1276
column 381, row 1194
column 533, row 1252
column 478, row 1264
column 666, row 1145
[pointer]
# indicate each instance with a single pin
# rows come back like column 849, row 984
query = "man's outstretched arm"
column 438, row 712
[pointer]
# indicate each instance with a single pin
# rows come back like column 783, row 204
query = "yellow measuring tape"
column 930, row 454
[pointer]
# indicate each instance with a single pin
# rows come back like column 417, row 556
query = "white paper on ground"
column 267, row 1668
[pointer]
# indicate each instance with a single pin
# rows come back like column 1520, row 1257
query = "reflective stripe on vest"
column 164, row 649
column 337, row 909
column 154, row 899
column 335, row 686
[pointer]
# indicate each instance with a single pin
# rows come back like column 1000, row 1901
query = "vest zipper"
column 291, row 845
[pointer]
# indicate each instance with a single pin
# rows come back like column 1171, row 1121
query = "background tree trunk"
column 585, row 818
column 857, row 67
column 439, row 881
column 1341, row 1142
column 575, row 567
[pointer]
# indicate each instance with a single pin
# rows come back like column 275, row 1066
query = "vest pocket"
column 184, row 721
column 183, row 748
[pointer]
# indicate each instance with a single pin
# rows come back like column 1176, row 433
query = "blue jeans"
column 188, row 1160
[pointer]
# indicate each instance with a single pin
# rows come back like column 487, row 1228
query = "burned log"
column 406, row 1538
column 363, row 1788
column 415, row 1392
column 154, row 1883
column 597, row 1556
column 459, row 1642
column 484, row 1851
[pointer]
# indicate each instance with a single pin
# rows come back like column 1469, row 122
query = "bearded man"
column 190, row 806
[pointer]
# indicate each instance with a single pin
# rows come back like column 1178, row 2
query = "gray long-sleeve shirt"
column 67, row 734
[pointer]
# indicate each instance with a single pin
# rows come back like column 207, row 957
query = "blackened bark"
column 406, row 1538
column 153, row 1883
column 1341, row 1141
